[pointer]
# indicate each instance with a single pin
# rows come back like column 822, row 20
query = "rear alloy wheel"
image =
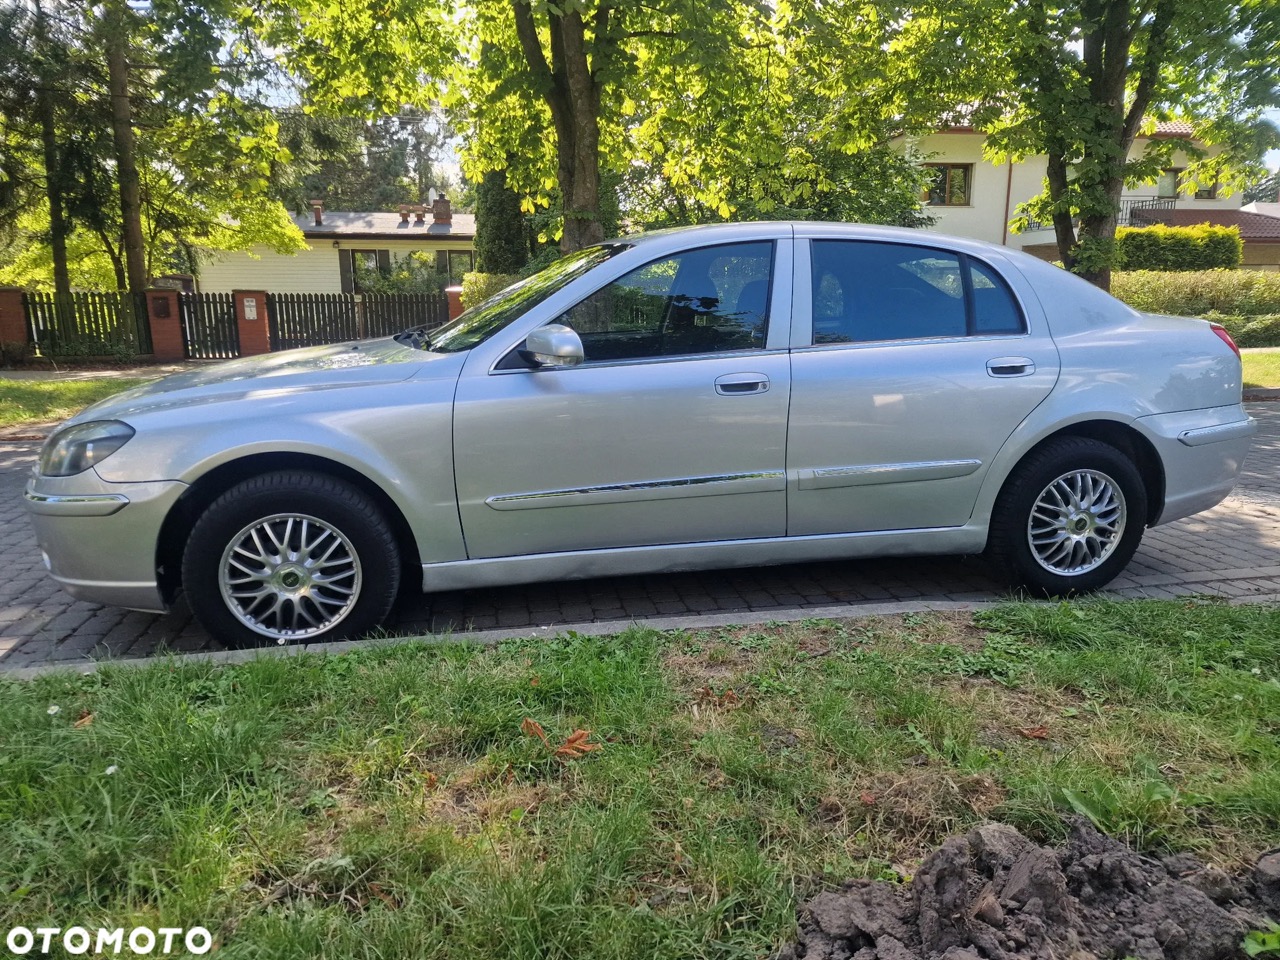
column 1069, row 518
column 290, row 557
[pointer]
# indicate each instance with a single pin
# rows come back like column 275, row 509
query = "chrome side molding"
column 768, row 481
column 827, row 477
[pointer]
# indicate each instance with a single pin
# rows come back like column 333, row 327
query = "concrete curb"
column 593, row 628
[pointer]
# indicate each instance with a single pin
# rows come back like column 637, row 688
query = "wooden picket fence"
column 102, row 324
column 312, row 319
column 209, row 328
column 87, row 324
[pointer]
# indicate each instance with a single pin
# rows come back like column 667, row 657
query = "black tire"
column 1009, row 541
column 345, row 592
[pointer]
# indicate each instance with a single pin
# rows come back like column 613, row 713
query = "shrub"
column 478, row 287
column 1250, row 331
column 15, row 353
column 1159, row 247
column 1234, row 293
column 502, row 244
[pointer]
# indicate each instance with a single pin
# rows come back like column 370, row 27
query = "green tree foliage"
column 355, row 163
column 1264, row 189
column 174, row 91
column 502, row 243
column 718, row 109
column 1159, row 247
column 1079, row 80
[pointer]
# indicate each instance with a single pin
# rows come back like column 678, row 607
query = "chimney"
column 419, row 213
column 404, row 213
column 317, row 211
column 441, row 212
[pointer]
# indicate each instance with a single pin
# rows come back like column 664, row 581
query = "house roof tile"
column 1253, row 226
column 1174, row 128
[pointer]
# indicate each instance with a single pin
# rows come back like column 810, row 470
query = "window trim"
column 1177, row 183
column 946, row 189
column 448, row 259
column 804, row 276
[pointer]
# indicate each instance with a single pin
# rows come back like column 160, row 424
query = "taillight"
column 1225, row 337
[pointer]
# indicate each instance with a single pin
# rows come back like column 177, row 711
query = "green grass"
column 37, row 401
column 1262, row 369
column 387, row 803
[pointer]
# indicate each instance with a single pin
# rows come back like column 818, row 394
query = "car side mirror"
column 554, row 345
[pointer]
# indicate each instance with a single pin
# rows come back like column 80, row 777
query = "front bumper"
column 99, row 538
column 1203, row 453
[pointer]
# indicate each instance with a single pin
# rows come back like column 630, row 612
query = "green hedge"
column 1158, row 247
column 1235, row 293
column 1250, row 331
column 478, row 287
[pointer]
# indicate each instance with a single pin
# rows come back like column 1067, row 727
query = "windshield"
column 485, row 319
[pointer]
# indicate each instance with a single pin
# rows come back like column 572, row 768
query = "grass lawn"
column 1262, row 369
column 398, row 801
column 35, row 401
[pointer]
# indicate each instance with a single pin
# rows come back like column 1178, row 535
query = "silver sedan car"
column 711, row 397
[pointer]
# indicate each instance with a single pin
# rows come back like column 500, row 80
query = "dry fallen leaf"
column 535, row 680
column 726, row 699
column 385, row 897
column 576, row 745
column 867, row 798
column 532, row 728
column 1035, row 733
column 86, row 718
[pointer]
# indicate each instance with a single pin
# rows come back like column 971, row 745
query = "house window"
column 1209, row 192
column 460, row 262
column 368, row 263
column 1167, row 183
column 949, row 185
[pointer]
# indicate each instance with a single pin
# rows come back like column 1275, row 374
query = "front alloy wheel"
column 290, row 576
column 291, row 556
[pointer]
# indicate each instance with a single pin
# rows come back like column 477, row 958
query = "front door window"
column 710, row 300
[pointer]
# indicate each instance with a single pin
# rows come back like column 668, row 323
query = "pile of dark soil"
column 994, row 894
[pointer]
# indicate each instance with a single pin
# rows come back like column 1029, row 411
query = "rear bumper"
column 1203, row 453
column 99, row 539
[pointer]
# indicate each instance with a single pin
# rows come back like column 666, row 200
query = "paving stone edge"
column 594, row 628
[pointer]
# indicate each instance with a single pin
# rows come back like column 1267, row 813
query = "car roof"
column 817, row 229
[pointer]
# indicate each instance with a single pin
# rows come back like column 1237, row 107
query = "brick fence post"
column 168, row 342
column 13, row 316
column 251, row 319
column 455, row 301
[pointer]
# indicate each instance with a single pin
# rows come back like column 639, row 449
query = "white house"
column 337, row 242
column 974, row 198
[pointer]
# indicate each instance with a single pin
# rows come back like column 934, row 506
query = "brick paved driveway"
column 1232, row 551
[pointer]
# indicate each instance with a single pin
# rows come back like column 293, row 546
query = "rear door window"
column 865, row 292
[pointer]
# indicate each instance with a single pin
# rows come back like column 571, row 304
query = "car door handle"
column 736, row 384
column 1011, row 367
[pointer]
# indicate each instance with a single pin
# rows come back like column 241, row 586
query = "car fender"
column 399, row 439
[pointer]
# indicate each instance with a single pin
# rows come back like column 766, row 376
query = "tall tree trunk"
column 571, row 87
column 117, row 264
column 53, row 173
column 1064, row 230
column 117, row 48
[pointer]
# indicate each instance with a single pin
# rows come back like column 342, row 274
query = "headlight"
column 76, row 449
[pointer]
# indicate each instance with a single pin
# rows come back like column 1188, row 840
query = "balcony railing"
column 1130, row 213
column 1132, row 210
